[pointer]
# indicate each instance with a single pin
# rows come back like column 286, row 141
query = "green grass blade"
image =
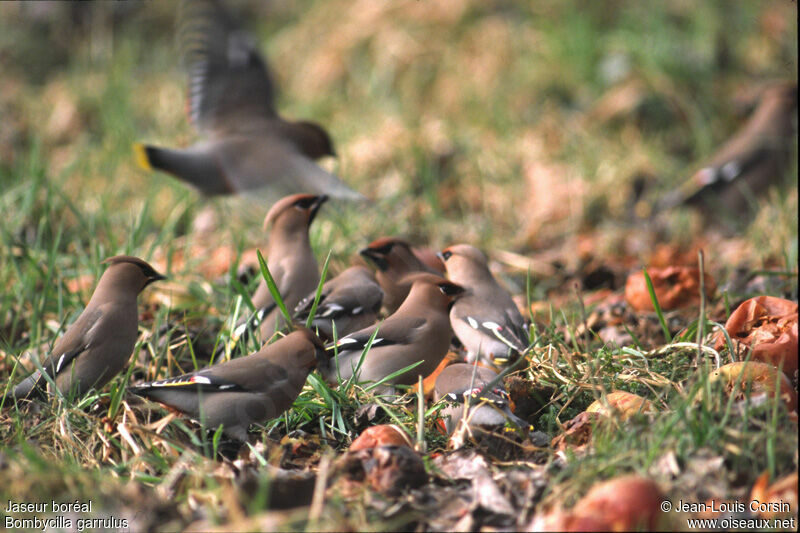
column 392, row 376
column 656, row 305
column 318, row 294
column 273, row 288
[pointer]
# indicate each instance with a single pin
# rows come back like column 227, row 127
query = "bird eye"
column 447, row 254
column 450, row 289
column 305, row 203
column 384, row 250
column 148, row 271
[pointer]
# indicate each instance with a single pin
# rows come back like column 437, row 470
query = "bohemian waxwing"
column 251, row 389
column 488, row 408
column 290, row 260
column 247, row 144
column 395, row 259
column 97, row 345
column 351, row 300
column 485, row 319
column 756, row 156
column 418, row 331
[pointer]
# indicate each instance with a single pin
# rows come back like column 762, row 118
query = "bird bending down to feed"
column 246, row 390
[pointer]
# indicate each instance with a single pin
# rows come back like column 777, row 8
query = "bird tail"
column 193, row 166
column 27, row 389
column 140, row 153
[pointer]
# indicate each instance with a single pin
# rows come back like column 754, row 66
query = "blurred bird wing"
column 271, row 163
column 307, row 176
column 230, row 82
column 761, row 141
column 724, row 169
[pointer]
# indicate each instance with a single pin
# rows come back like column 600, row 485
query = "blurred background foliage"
column 456, row 102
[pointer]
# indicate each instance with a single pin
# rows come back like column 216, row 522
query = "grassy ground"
column 510, row 126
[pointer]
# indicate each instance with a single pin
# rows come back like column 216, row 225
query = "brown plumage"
column 418, row 331
column 246, row 390
column 247, row 144
column 97, row 345
column 394, row 259
column 290, row 259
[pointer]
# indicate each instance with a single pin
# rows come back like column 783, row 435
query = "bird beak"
column 374, row 258
column 155, row 277
column 321, row 199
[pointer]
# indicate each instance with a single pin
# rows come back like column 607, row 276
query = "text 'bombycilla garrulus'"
column 97, row 345
column 247, row 144
column 246, row 390
column 485, row 319
column 352, row 300
column 395, row 259
column 418, row 331
column 489, row 408
column 289, row 258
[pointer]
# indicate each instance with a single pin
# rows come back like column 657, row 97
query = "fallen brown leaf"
column 577, row 432
column 623, row 403
column 779, row 494
column 626, row 503
column 759, row 377
column 383, row 435
column 675, row 287
column 768, row 325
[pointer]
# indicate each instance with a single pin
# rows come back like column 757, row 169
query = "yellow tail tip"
column 140, row 153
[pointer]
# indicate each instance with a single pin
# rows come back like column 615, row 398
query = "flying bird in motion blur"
column 247, row 145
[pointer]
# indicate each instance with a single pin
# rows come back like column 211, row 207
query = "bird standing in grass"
column 485, row 319
column 290, row 260
column 97, row 345
column 419, row 331
column 247, row 145
column 245, row 390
